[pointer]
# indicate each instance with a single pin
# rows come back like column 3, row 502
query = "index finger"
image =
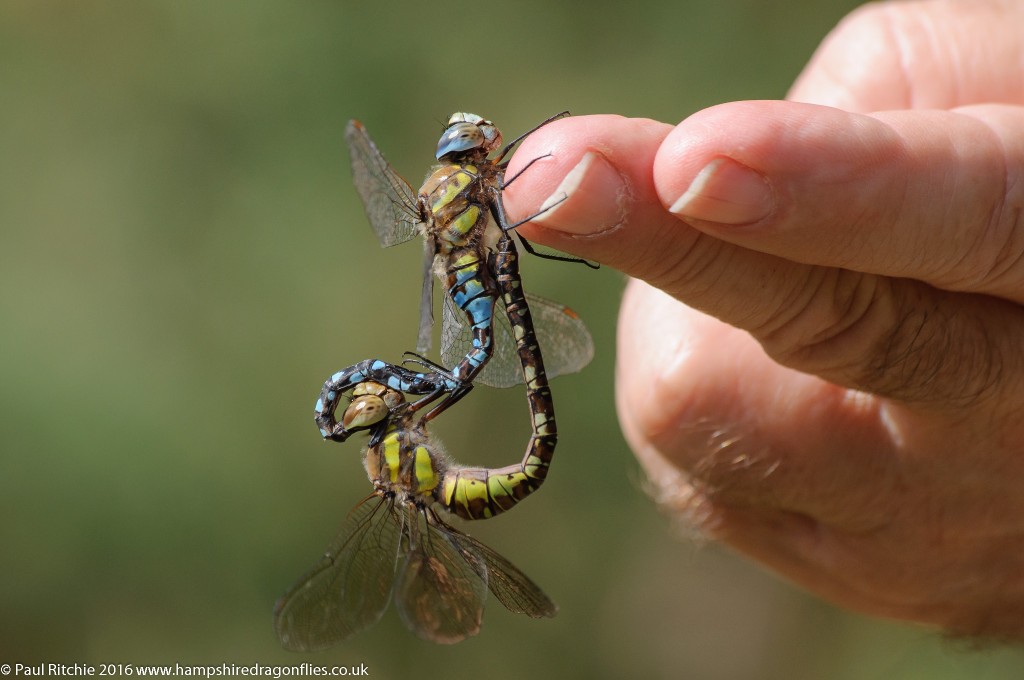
column 613, row 188
column 887, row 336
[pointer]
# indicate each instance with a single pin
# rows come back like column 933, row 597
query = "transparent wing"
column 348, row 589
column 439, row 595
column 426, row 333
column 507, row 583
column 562, row 336
column 389, row 201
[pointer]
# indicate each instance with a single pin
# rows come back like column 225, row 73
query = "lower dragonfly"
column 460, row 213
column 394, row 543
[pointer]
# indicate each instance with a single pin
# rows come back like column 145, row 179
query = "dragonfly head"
column 468, row 132
column 372, row 403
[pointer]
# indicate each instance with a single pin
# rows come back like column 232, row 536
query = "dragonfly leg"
column 501, row 217
column 420, row 360
column 505, row 182
column 450, row 400
column 526, row 134
column 456, row 389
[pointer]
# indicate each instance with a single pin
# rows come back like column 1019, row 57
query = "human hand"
column 845, row 405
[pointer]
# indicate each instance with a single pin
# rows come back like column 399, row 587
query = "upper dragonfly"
column 459, row 212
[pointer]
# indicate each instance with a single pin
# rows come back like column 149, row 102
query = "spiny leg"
column 501, row 217
column 453, row 395
column 508, row 147
column 507, row 181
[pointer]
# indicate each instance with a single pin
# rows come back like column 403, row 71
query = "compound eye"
column 459, row 138
column 364, row 411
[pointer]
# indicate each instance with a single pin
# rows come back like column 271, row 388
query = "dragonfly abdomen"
column 481, row 493
column 473, row 293
column 478, row 492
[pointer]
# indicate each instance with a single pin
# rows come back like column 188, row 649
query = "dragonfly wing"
column 506, row 581
column 426, row 334
column 348, row 589
column 562, row 336
column 389, row 201
column 439, row 595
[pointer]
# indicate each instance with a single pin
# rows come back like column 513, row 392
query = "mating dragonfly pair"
column 394, row 544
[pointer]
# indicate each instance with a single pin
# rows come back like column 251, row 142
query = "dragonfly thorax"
column 406, row 463
column 456, row 197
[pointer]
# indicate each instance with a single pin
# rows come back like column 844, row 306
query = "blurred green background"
column 184, row 261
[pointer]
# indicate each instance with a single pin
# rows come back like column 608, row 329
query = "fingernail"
column 726, row 192
column 592, row 197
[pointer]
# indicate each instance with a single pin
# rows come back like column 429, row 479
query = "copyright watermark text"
column 226, row 670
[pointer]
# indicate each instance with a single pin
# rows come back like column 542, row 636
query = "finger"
column 773, row 462
column 891, row 337
column 885, row 573
column 935, row 54
column 858, row 500
column 607, row 160
column 595, row 195
column 837, row 567
column 934, row 196
column 697, row 395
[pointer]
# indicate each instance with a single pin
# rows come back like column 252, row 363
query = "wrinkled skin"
column 821, row 350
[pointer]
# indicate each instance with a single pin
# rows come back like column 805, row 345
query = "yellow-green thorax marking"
column 458, row 205
column 406, row 463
